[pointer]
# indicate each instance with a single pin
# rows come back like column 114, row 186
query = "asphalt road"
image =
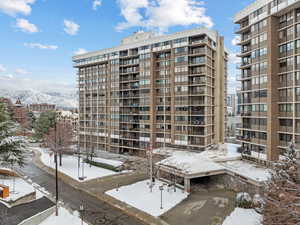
column 96, row 211
column 15, row 215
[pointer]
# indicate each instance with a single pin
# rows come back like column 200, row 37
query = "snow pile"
column 243, row 216
column 22, row 188
column 70, row 166
column 248, row 170
column 223, row 152
column 139, row 196
column 64, row 218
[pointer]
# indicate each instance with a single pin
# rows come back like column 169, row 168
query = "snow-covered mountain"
column 62, row 100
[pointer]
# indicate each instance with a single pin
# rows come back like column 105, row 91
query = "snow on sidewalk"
column 22, row 188
column 70, row 167
column 243, row 216
column 139, row 196
column 64, row 218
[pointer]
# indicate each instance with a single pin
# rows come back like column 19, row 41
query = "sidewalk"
column 97, row 187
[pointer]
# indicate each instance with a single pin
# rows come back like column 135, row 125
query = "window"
column 180, row 50
column 181, row 59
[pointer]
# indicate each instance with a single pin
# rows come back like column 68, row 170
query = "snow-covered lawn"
column 243, row 216
column 248, row 170
column 22, row 188
column 64, row 218
column 139, row 196
column 70, row 167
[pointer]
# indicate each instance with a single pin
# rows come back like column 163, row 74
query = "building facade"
column 43, row 107
column 154, row 91
column 270, row 76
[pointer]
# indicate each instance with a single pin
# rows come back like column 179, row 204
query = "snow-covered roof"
column 223, row 159
column 190, row 163
column 248, row 170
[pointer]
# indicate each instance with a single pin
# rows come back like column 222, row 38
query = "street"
column 96, row 212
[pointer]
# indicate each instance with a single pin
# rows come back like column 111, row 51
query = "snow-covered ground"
column 248, row 170
column 243, row 216
column 70, row 167
column 22, row 188
column 64, row 218
column 139, row 196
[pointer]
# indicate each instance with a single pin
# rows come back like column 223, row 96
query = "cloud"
column 236, row 40
column 6, row 77
column 26, row 26
column 233, row 58
column 80, row 51
column 14, row 7
column 162, row 14
column 41, row 46
column 2, row 68
column 21, row 71
column 71, row 27
column 96, row 4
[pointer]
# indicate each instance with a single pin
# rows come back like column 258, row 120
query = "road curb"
column 133, row 212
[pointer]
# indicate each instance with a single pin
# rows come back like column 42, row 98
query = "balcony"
column 242, row 27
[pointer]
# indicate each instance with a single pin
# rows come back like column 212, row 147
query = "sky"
column 39, row 37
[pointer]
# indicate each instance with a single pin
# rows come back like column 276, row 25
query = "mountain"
column 61, row 100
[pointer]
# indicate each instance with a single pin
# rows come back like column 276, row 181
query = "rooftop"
column 146, row 38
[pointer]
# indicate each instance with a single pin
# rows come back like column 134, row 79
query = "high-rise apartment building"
column 270, row 75
column 154, row 91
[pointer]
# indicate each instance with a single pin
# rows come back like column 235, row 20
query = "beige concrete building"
column 270, row 75
column 154, row 91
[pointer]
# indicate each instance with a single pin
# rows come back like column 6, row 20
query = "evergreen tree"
column 282, row 197
column 12, row 148
column 44, row 123
column 32, row 119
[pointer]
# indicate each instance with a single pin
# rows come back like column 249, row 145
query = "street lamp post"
column 82, row 211
column 78, row 152
column 56, row 169
column 56, row 184
column 161, row 188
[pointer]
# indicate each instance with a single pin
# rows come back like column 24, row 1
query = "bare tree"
column 60, row 138
column 282, row 197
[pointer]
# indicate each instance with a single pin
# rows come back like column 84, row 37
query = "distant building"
column 17, row 111
column 20, row 112
column 69, row 116
column 44, row 107
column 231, row 104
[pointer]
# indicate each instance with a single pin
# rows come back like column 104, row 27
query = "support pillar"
column 187, row 185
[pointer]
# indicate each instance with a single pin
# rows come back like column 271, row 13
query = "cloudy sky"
column 39, row 37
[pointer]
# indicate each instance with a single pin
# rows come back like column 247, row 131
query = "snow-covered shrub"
column 258, row 203
column 243, row 200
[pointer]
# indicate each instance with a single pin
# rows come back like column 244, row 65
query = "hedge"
column 103, row 165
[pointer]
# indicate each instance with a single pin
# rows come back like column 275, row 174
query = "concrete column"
column 158, row 174
column 220, row 93
column 187, row 185
column 272, row 99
